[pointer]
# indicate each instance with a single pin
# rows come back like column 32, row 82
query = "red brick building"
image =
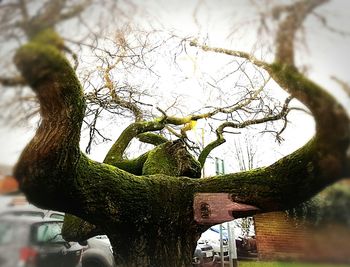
column 8, row 184
column 280, row 237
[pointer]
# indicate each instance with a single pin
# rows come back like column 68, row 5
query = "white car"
column 212, row 238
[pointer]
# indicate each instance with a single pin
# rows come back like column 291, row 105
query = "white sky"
column 327, row 54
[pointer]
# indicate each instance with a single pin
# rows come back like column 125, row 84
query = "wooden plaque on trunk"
column 214, row 208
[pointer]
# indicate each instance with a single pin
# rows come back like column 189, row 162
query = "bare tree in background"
column 82, row 21
column 146, row 204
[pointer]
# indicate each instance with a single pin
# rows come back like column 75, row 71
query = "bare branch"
column 345, row 86
column 24, row 11
column 325, row 24
column 229, row 52
column 12, row 81
column 74, row 11
column 220, row 130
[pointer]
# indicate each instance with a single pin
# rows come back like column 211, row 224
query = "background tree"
column 147, row 202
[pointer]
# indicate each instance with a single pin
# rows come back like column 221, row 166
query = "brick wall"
column 8, row 184
column 282, row 238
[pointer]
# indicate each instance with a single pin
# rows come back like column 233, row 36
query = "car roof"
column 26, row 207
column 26, row 219
column 29, row 208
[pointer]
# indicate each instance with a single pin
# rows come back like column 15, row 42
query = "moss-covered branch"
column 115, row 154
column 210, row 147
column 52, row 161
column 76, row 229
column 284, row 184
column 320, row 162
column 55, row 147
column 151, row 138
column 324, row 107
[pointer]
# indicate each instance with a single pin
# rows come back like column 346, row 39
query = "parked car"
column 97, row 251
column 203, row 255
column 36, row 242
column 30, row 210
column 212, row 238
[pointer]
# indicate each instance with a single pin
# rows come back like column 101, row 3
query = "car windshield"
column 57, row 216
column 49, row 232
column 6, row 233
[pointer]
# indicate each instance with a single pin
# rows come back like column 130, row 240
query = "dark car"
column 36, row 242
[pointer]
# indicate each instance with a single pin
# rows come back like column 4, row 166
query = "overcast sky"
column 326, row 54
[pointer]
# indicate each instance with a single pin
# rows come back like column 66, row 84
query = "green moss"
column 298, row 84
column 115, row 154
column 150, row 210
column 160, row 162
column 271, row 188
column 206, row 151
column 151, row 138
column 51, row 76
column 49, row 37
column 133, row 166
column 173, row 159
column 76, row 229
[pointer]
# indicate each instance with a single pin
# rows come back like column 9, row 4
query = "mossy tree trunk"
column 147, row 212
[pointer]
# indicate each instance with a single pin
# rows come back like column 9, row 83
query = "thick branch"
column 210, row 147
column 271, row 188
column 62, row 110
column 325, row 108
column 24, row 11
column 48, row 17
column 287, row 29
column 52, row 161
column 321, row 162
column 151, row 138
column 115, row 154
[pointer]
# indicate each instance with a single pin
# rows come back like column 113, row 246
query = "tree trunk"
column 153, row 246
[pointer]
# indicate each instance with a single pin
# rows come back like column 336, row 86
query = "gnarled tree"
column 146, row 205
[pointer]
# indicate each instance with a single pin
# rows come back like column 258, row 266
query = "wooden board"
column 214, row 208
